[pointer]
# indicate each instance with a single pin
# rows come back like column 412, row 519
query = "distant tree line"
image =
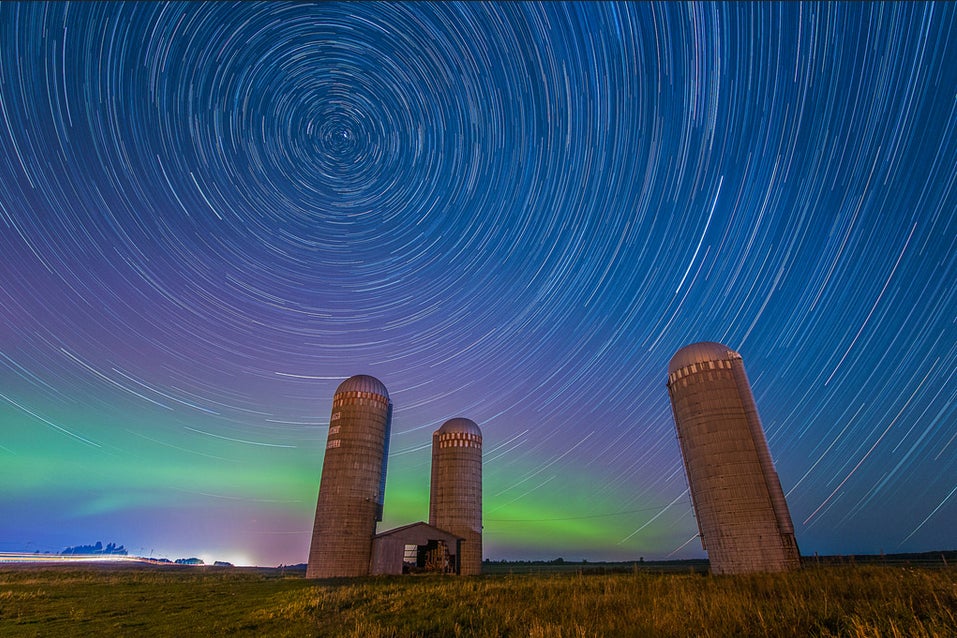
column 111, row 549
column 189, row 561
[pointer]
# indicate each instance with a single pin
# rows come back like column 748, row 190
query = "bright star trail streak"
column 213, row 213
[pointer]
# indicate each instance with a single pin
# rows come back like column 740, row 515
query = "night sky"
column 212, row 214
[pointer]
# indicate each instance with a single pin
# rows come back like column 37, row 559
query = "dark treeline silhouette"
column 189, row 561
column 111, row 549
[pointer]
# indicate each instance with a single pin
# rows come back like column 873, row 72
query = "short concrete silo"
column 352, row 486
column 455, row 500
column 742, row 516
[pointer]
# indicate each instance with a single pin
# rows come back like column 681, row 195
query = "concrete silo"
column 742, row 516
column 352, row 486
column 455, row 499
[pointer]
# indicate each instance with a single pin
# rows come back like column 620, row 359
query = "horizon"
column 212, row 214
column 12, row 558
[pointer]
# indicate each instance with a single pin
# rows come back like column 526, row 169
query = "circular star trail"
column 210, row 214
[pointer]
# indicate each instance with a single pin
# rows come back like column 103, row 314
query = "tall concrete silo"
column 742, row 516
column 352, row 486
column 455, row 499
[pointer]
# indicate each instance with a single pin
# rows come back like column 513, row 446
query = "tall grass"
column 817, row 601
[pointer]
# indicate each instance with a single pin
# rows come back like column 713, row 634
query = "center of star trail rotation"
column 212, row 214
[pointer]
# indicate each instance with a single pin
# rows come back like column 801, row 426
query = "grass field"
column 148, row 600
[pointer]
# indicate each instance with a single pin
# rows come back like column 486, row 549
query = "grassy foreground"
column 154, row 601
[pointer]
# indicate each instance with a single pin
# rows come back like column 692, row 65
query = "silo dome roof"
column 699, row 352
column 363, row 383
column 467, row 426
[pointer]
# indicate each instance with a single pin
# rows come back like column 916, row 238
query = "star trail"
column 213, row 213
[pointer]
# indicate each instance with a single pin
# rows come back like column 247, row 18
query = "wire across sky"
column 213, row 213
